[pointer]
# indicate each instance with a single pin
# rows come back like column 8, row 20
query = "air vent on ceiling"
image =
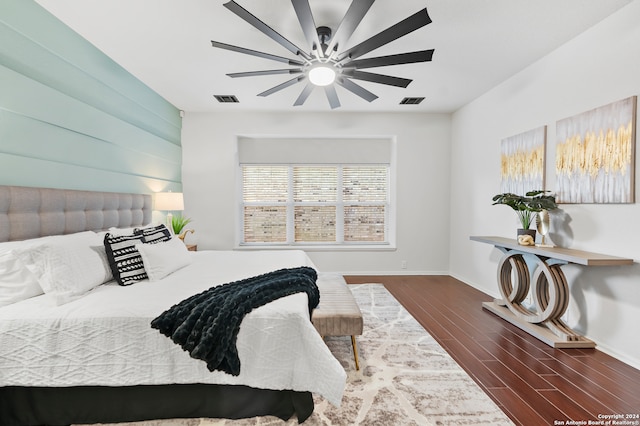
column 226, row 99
column 411, row 101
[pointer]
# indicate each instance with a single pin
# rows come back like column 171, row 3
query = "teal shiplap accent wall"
column 70, row 117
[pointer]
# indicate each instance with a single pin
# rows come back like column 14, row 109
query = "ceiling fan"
column 327, row 61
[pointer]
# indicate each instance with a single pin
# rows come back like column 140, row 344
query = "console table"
column 548, row 286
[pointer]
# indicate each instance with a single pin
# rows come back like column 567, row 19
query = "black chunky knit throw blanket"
column 206, row 324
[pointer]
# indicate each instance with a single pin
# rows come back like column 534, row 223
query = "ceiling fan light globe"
column 322, row 75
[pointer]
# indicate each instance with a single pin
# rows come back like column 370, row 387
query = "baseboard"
column 495, row 294
column 383, row 273
column 635, row 363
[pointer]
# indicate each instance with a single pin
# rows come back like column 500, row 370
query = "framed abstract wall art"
column 595, row 155
column 522, row 161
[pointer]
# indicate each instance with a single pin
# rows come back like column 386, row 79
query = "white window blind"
column 315, row 191
column 260, row 150
column 264, row 193
column 365, row 194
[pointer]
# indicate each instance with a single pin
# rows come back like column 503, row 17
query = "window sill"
column 355, row 247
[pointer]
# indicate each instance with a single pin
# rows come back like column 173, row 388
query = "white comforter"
column 105, row 339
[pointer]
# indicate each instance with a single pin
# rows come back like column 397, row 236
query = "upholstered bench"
column 338, row 313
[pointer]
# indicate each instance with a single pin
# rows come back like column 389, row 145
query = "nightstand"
column 192, row 247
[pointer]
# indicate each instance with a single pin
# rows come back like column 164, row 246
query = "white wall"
column 423, row 157
column 438, row 154
column 596, row 68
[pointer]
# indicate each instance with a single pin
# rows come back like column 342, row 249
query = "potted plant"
column 527, row 206
column 178, row 223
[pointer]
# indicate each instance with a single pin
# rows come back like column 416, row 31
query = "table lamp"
column 169, row 202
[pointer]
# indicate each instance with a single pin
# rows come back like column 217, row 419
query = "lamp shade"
column 169, row 201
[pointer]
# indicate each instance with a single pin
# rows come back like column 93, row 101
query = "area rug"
column 405, row 378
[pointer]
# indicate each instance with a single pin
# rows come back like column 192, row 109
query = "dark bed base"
column 95, row 404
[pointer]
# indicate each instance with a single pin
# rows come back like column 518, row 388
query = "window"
column 303, row 204
column 310, row 204
column 325, row 203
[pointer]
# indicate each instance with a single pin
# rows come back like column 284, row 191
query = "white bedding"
column 105, row 339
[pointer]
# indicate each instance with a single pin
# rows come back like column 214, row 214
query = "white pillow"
column 161, row 259
column 16, row 281
column 69, row 266
column 23, row 244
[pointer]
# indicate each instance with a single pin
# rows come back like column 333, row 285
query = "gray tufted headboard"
column 35, row 212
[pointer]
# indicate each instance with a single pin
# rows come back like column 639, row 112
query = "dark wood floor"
column 532, row 383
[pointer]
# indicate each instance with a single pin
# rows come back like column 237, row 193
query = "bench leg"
column 355, row 351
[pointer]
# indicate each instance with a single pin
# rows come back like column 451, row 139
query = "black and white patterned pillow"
column 124, row 259
column 154, row 234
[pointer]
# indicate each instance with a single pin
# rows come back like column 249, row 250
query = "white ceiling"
column 478, row 44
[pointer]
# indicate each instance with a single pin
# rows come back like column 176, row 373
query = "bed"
column 90, row 356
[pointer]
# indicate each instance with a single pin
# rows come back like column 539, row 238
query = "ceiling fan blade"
column 332, row 96
column 378, row 78
column 357, row 89
column 255, row 53
column 304, row 94
column 399, row 59
column 303, row 10
column 402, row 28
column 282, row 86
column 349, row 23
column 265, row 72
column 261, row 26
